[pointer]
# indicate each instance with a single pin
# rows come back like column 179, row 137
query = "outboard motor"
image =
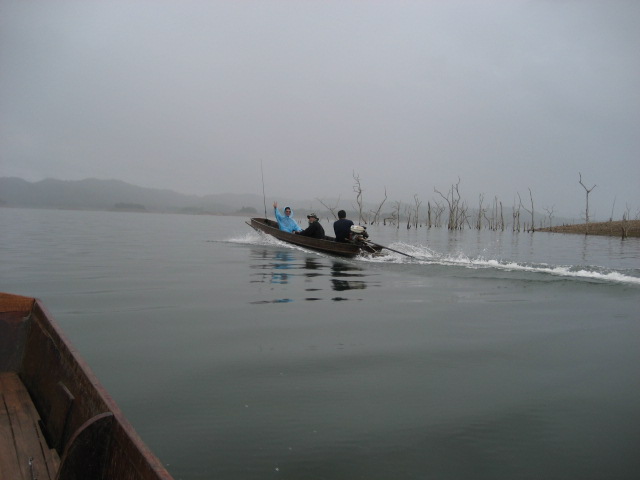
column 359, row 234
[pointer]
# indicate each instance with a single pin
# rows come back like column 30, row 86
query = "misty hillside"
column 93, row 194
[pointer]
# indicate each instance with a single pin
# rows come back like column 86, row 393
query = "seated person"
column 342, row 227
column 314, row 229
column 286, row 221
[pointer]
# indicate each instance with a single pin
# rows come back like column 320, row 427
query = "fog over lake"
column 411, row 96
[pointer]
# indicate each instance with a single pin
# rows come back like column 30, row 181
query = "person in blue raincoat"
column 286, row 221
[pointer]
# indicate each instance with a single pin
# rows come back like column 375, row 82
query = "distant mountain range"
column 94, row 194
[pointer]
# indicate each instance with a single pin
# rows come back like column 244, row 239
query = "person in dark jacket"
column 342, row 227
column 314, row 229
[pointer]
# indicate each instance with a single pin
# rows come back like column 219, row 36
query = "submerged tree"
column 331, row 209
column 516, row 217
column 550, row 214
column 586, row 213
column 533, row 226
column 358, row 189
column 396, row 213
column 481, row 212
column 497, row 218
column 626, row 222
column 376, row 214
column 457, row 208
column 439, row 210
column 418, row 203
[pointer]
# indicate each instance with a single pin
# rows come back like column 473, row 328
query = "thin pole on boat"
column 397, row 251
column 264, row 197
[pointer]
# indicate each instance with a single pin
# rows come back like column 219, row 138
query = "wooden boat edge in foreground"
column 77, row 416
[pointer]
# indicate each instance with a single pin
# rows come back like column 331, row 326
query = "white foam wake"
column 424, row 255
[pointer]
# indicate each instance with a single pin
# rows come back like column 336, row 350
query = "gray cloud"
column 193, row 96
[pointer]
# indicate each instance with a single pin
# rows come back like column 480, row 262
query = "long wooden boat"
column 56, row 421
column 328, row 245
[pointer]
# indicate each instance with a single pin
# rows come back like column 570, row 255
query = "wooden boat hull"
column 328, row 245
column 86, row 434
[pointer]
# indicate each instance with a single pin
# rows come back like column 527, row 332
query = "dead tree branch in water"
column 457, row 210
column 586, row 213
column 481, row 212
column 418, row 203
column 396, row 206
column 626, row 224
column 407, row 210
column 439, row 210
column 550, row 214
column 496, row 222
column 516, row 217
column 376, row 214
column 532, row 228
column 331, row 209
column 357, row 187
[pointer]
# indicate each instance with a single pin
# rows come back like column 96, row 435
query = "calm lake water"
column 487, row 356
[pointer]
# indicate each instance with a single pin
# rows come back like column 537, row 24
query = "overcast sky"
column 194, row 95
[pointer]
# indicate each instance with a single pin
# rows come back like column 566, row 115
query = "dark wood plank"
column 21, row 434
column 86, row 454
column 9, row 467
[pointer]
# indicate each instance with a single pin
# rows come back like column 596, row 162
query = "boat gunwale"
column 31, row 320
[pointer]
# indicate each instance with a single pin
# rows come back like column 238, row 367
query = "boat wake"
column 258, row 238
column 250, row 238
column 425, row 256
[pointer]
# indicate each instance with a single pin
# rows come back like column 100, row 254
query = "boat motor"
column 359, row 234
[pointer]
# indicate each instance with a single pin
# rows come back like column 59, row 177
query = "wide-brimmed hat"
column 313, row 215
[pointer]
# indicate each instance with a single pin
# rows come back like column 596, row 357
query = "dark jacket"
column 314, row 230
column 342, row 229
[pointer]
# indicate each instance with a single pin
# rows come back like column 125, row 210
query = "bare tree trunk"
column 376, row 214
column 358, row 189
column 533, row 225
column 455, row 219
column 481, row 212
column 463, row 217
column 586, row 214
column 612, row 209
column 418, row 203
column 550, row 213
column 626, row 225
column 397, row 214
column 451, row 207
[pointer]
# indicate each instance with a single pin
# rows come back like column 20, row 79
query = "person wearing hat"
column 314, row 229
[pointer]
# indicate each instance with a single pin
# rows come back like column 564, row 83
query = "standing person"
column 286, row 221
column 342, row 227
column 314, row 229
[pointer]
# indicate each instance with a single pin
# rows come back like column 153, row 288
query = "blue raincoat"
column 287, row 224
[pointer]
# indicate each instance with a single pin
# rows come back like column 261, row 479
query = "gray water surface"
column 490, row 355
